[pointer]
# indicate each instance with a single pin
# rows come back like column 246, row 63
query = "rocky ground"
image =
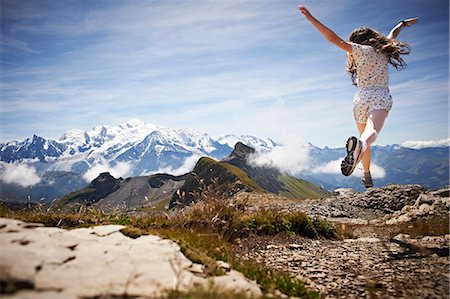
column 98, row 262
column 395, row 244
column 377, row 259
column 363, row 267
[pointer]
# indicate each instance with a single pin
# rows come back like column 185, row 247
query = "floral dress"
column 372, row 79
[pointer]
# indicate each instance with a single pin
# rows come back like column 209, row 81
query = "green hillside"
column 222, row 177
column 298, row 188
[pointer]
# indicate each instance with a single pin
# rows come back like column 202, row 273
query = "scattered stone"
column 224, row 266
column 402, row 237
column 295, row 246
column 370, row 263
column 350, row 268
column 366, row 239
column 196, row 268
column 271, row 246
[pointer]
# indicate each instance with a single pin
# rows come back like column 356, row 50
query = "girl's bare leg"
column 373, row 126
column 366, row 157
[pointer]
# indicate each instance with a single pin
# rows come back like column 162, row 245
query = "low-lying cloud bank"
column 426, row 143
column 188, row 166
column 334, row 167
column 291, row 155
column 20, row 174
column 120, row 169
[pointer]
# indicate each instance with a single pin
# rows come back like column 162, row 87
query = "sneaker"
column 367, row 181
column 354, row 155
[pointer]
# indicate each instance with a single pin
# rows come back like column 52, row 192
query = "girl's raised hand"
column 304, row 11
column 409, row 22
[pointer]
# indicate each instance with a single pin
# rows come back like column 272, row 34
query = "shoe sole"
column 349, row 164
column 351, row 144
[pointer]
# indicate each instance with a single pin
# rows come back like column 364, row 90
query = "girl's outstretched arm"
column 326, row 32
column 396, row 30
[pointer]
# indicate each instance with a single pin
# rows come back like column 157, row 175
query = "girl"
column 369, row 53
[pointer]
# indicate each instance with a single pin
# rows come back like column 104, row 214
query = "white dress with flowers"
column 372, row 79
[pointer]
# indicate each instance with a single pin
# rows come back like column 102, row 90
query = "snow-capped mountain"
column 35, row 148
column 146, row 148
column 259, row 144
column 137, row 148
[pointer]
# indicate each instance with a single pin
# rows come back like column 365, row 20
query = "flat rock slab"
column 46, row 262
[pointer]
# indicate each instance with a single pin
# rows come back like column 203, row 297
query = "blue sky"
column 221, row 67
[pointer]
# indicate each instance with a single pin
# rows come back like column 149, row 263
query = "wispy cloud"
column 16, row 44
column 224, row 64
column 188, row 165
column 426, row 143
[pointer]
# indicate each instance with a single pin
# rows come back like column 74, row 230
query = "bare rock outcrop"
column 97, row 262
column 391, row 201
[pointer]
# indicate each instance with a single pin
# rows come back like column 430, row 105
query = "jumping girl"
column 369, row 53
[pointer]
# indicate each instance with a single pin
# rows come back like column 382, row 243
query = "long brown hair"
column 392, row 49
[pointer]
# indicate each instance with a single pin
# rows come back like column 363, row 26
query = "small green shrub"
column 210, row 292
column 268, row 222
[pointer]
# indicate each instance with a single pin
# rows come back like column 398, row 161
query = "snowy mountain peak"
column 260, row 144
column 134, row 122
column 35, row 139
column 75, row 137
column 136, row 146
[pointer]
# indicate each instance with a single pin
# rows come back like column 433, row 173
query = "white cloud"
column 291, row 156
column 334, row 167
column 220, row 62
column 19, row 174
column 188, row 166
column 426, row 143
column 121, row 169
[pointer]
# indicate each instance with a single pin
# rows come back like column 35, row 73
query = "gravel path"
column 365, row 267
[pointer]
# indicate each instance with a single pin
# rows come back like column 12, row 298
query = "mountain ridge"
column 148, row 146
column 223, row 178
column 136, row 148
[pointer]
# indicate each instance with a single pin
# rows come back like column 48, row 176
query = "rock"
column 364, row 239
column 318, row 275
column 405, row 209
column 271, row 246
column 424, row 209
column 425, row 199
column 343, row 191
column 224, row 266
column 402, row 218
column 444, row 192
column 402, row 237
column 236, row 281
column 100, row 262
column 196, row 268
column 32, row 225
column 105, row 230
column 295, row 246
